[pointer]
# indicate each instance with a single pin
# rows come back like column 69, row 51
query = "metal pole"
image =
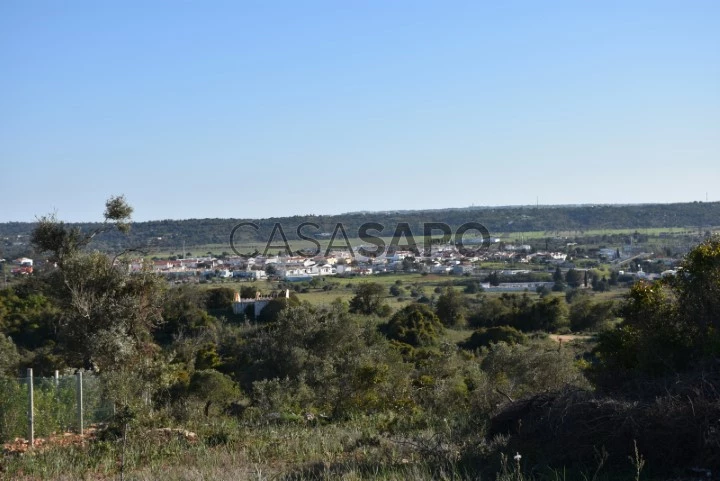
column 56, row 393
column 80, row 402
column 31, row 410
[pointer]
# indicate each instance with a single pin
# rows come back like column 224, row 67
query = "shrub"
column 451, row 308
column 9, row 356
column 486, row 336
column 415, row 325
column 587, row 315
column 213, row 387
column 272, row 310
column 369, row 299
column 220, row 298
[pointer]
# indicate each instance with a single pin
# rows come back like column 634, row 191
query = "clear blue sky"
column 255, row 109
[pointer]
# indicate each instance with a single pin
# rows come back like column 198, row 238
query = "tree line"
column 694, row 215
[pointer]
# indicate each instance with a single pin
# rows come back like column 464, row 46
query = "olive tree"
column 369, row 299
column 107, row 315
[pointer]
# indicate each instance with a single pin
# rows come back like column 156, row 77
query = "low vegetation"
column 459, row 385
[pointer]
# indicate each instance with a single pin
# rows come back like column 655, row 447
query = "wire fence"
column 40, row 406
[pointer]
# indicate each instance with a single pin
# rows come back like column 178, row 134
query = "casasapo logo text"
column 470, row 239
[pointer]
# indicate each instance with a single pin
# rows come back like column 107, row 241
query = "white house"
column 253, row 274
column 343, row 269
column 306, row 272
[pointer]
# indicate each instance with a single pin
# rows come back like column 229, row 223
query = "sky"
column 252, row 109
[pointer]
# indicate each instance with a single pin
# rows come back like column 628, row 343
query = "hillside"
column 550, row 219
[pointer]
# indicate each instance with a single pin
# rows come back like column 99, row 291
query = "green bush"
column 213, row 387
column 485, row 336
column 9, row 356
column 450, row 308
column 415, row 325
column 668, row 325
column 220, row 298
column 13, row 409
column 522, row 370
column 586, row 315
column 369, row 299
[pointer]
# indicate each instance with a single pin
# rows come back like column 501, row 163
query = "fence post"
column 31, row 410
column 57, row 378
column 80, row 401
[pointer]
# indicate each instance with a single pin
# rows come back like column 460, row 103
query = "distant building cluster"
column 442, row 259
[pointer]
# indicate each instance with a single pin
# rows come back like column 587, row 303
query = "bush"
column 213, row 387
column 519, row 311
column 670, row 325
column 220, row 298
column 523, row 370
column 586, row 315
column 323, row 360
column 9, row 356
column 369, row 299
column 450, row 308
column 485, row 336
column 415, row 325
column 272, row 310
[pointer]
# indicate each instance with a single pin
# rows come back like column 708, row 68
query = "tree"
column 270, row 269
column 28, row 316
column 548, row 314
column 409, row 264
column 369, row 299
column 213, row 387
column 450, row 308
column 697, row 285
column 272, row 310
column 473, row 287
column 574, row 295
column 415, row 325
column 492, row 335
column 319, row 357
column 493, row 278
column 651, row 340
column 207, row 357
column 220, row 298
column 9, row 356
column 184, row 313
column 523, row 369
column 107, row 315
column 63, row 242
column 248, row 292
column 668, row 325
column 573, row 278
column 586, row 315
column 543, row 291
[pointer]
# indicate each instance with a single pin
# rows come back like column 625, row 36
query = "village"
column 519, row 266
column 505, row 260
